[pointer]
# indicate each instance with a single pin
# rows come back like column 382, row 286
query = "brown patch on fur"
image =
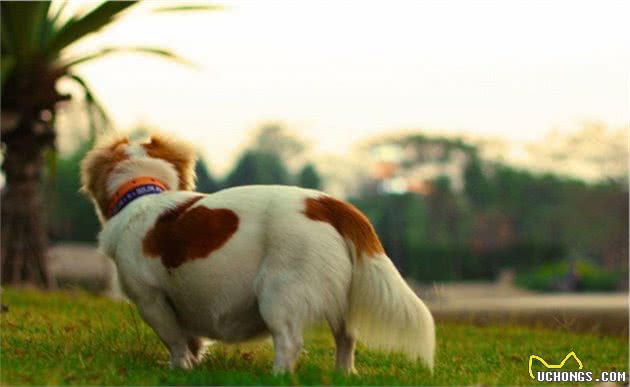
column 179, row 154
column 181, row 234
column 348, row 221
column 96, row 167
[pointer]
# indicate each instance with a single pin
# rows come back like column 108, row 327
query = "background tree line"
column 555, row 232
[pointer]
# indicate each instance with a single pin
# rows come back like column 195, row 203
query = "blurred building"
column 416, row 163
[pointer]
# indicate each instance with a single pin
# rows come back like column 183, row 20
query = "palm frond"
column 186, row 8
column 77, row 28
column 112, row 50
column 97, row 116
column 22, row 23
column 6, row 35
column 51, row 22
column 40, row 23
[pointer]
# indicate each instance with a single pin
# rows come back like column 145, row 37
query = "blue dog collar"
column 132, row 191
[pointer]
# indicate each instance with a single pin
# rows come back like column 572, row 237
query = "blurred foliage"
column 580, row 275
column 38, row 38
column 275, row 138
column 266, row 160
column 35, row 37
column 71, row 216
column 501, row 218
column 205, row 182
column 257, row 167
column 308, row 177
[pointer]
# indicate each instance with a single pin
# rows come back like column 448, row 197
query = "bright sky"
column 338, row 72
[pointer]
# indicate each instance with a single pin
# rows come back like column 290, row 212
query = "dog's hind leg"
column 284, row 320
column 304, row 277
column 344, row 354
column 287, row 344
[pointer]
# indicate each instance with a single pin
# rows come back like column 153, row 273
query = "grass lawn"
column 72, row 338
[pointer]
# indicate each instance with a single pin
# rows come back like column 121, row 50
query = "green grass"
column 73, row 338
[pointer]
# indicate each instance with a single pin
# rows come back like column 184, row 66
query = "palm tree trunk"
column 24, row 240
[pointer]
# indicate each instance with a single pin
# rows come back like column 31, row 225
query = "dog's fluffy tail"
column 385, row 313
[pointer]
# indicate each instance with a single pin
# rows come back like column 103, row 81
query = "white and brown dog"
column 247, row 261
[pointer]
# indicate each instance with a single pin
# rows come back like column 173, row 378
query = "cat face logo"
column 553, row 366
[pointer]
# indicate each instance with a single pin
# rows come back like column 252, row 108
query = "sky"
column 340, row 72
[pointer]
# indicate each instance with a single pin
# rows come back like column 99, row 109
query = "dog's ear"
column 180, row 154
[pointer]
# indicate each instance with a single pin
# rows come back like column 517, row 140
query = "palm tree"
column 35, row 41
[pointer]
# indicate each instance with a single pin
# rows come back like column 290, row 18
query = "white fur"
column 278, row 272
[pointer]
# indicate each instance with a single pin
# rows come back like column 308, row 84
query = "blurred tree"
column 444, row 211
column 205, row 181
column 309, row 177
column 275, row 138
column 476, row 184
column 504, row 217
column 255, row 167
column 35, row 38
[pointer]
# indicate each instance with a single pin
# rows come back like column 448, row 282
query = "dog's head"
column 115, row 160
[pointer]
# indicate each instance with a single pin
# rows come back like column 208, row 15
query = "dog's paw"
column 201, row 355
column 199, row 349
column 185, row 362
